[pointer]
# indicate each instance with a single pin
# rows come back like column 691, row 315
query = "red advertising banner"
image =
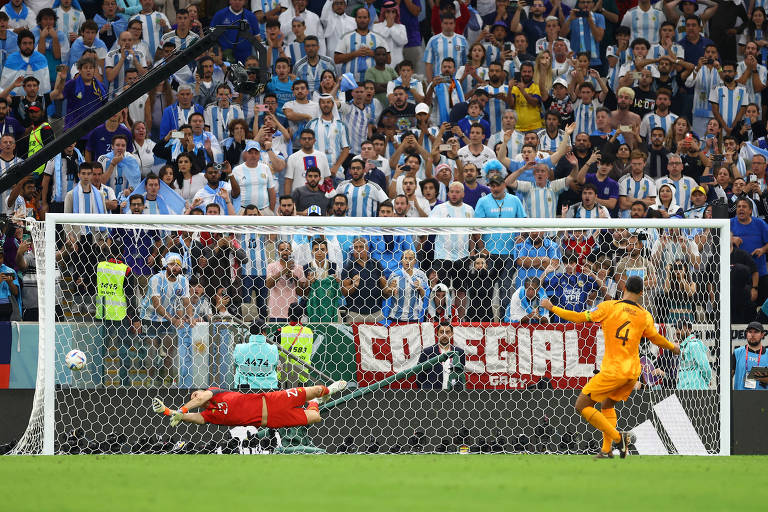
column 499, row 356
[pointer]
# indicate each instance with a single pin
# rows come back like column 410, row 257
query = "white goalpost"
column 512, row 392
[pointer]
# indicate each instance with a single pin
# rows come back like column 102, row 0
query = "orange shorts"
column 285, row 408
column 603, row 386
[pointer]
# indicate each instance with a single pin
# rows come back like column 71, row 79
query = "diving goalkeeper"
column 624, row 323
column 275, row 409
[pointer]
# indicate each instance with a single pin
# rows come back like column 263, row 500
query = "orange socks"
column 610, row 415
column 601, row 422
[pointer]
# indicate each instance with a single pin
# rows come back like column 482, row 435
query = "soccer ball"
column 75, row 360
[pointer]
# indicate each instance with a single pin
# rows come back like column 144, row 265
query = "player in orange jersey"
column 624, row 323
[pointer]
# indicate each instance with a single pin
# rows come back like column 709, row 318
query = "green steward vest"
column 297, row 339
column 36, row 144
column 111, row 303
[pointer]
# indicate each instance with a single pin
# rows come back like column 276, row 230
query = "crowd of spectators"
column 448, row 109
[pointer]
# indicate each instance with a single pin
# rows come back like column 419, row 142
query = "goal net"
column 361, row 299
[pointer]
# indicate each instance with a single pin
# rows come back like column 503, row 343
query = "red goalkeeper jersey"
column 233, row 408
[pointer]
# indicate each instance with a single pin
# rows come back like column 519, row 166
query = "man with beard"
column 445, row 375
column 661, row 116
column 311, row 66
column 310, row 194
column 748, row 356
column 527, row 99
column 165, row 306
column 212, row 191
column 403, row 110
column 19, row 105
column 657, row 155
column 300, row 110
column 26, row 61
column 729, row 101
column 499, row 98
column 624, row 115
column 354, row 52
column 363, row 195
column 332, row 137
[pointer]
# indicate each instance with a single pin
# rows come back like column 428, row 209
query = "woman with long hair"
column 142, row 149
column 189, row 179
column 542, row 74
column 757, row 31
column 474, row 73
column 167, row 175
column 329, row 84
column 676, row 136
column 621, row 164
column 713, row 138
column 234, row 145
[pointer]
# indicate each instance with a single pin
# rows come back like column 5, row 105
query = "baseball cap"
column 494, row 177
column 699, row 189
column 252, row 144
column 500, row 24
column 422, row 108
column 756, row 326
column 560, row 81
column 34, row 107
column 442, row 166
column 314, row 210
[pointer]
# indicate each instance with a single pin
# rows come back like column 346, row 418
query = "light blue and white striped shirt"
column 440, row 46
column 452, row 247
column 69, row 21
column 762, row 73
column 622, row 57
column 514, row 146
column 356, row 121
column 547, row 143
column 255, row 247
column 255, row 184
column 113, row 57
column 657, row 51
column 584, row 116
column 653, row 120
column 644, row 24
column 305, row 71
column 363, row 201
column 331, row 137
column 218, row 118
column 703, row 82
column 151, row 31
column 730, row 101
column 495, row 107
column 635, row 189
column 170, row 294
column 582, row 39
column 541, row 202
column 408, row 304
column 351, row 42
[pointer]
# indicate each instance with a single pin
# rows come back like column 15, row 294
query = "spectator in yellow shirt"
column 527, row 100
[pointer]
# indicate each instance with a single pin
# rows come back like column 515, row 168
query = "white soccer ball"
column 75, row 360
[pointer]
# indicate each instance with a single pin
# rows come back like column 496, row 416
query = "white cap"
column 560, row 81
column 422, row 108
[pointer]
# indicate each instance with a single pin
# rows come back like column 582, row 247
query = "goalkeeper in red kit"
column 275, row 409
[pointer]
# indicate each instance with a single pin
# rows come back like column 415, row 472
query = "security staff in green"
column 114, row 307
column 296, row 339
column 39, row 134
column 256, row 360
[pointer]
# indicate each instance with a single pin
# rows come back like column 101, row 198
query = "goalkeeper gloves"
column 176, row 418
column 159, row 406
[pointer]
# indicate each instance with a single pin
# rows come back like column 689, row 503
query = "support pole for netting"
column 384, row 382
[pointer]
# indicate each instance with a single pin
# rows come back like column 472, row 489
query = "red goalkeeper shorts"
column 285, row 408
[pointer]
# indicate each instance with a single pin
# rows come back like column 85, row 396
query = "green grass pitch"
column 369, row 483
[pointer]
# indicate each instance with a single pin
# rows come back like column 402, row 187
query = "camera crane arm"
column 153, row 77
